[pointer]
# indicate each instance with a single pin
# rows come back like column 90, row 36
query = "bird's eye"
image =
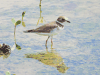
column 63, row 19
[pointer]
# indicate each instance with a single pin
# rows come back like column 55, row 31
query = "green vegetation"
column 40, row 20
column 23, row 14
column 15, row 24
column 8, row 73
column 5, row 51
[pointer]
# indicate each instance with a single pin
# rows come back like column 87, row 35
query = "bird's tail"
column 29, row 31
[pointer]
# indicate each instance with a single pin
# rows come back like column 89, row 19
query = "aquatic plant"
column 5, row 49
column 40, row 20
column 23, row 14
column 8, row 73
column 15, row 24
column 40, row 3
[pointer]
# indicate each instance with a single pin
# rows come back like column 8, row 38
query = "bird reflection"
column 51, row 58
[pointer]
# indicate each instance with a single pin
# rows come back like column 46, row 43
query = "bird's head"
column 62, row 19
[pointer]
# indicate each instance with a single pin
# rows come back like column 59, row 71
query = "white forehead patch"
column 65, row 18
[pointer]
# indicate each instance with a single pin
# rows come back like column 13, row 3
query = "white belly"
column 55, row 31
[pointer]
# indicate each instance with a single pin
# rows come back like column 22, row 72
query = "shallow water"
column 78, row 44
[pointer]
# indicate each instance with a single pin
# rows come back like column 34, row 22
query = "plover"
column 50, row 29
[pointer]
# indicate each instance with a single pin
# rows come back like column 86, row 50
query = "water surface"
column 78, row 44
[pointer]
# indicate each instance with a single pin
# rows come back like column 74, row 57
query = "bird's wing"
column 44, row 29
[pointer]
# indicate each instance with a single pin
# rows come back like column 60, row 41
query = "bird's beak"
column 67, row 21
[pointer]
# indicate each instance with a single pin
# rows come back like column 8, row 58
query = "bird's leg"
column 47, row 40
column 51, row 41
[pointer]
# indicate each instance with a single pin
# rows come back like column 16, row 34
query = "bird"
column 50, row 29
